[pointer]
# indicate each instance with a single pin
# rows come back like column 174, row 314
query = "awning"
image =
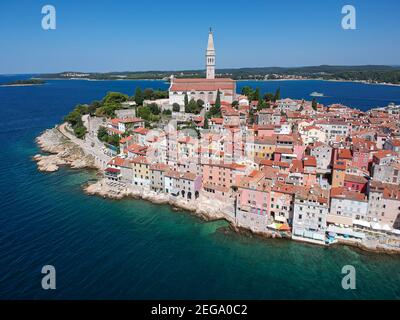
column 333, row 218
column 289, row 155
column 376, row 226
column 175, row 191
column 385, row 227
column 272, row 226
column 284, row 227
column 362, row 223
column 318, row 236
column 345, row 231
column 299, row 232
column 112, row 170
column 280, row 219
column 395, row 231
column 308, row 234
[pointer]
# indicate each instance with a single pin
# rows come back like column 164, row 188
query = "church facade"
column 200, row 88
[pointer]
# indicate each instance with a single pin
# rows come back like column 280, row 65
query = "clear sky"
column 105, row 35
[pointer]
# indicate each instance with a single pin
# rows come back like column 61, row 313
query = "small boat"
column 316, row 94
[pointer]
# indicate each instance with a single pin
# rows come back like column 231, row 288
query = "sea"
column 132, row 249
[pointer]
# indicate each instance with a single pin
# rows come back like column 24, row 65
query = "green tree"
column 160, row 94
column 139, row 96
column 107, row 110
column 102, row 133
column 205, row 126
column 80, row 131
column 154, row 109
column 93, row 107
column 115, row 98
column 277, row 95
column 314, row 104
column 252, row 116
column 144, row 112
column 200, row 103
column 148, row 94
column 218, row 100
column 256, row 95
column 269, row 96
column 192, row 107
column 73, row 117
column 261, row 104
column 248, row 92
column 235, row 104
column 114, row 140
column 186, row 101
column 176, row 107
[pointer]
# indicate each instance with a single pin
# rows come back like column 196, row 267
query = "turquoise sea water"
column 132, row 249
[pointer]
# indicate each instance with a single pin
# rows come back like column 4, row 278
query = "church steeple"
column 210, row 56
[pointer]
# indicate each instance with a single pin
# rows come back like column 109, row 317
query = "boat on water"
column 316, row 94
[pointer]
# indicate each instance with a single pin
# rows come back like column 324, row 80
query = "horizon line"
column 200, row 69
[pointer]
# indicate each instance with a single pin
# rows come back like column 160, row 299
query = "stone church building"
column 204, row 89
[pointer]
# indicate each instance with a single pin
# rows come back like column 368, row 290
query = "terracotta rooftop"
column 202, row 84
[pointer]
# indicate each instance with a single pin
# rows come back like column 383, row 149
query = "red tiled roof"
column 310, row 161
column 217, row 120
column 131, row 120
column 141, row 130
column 202, row 84
column 356, row 179
column 126, row 139
column 345, row 154
column 383, row 154
column 140, row 159
column 117, row 161
column 159, row 167
column 347, row 194
column 113, row 170
column 115, row 131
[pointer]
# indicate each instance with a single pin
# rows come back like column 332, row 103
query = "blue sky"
column 125, row 35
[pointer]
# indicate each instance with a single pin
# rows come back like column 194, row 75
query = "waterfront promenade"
column 91, row 145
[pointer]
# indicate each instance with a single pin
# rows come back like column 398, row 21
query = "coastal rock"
column 62, row 152
column 201, row 207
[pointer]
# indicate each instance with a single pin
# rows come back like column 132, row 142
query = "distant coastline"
column 240, row 80
column 371, row 74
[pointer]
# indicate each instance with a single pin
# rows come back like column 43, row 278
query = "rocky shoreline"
column 201, row 207
column 60, row 151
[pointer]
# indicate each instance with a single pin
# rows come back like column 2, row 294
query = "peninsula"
column 278, row 167
column 20, row 83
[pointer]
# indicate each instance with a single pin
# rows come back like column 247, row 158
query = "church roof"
column 202, row 84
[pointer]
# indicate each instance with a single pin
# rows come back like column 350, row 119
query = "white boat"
column 316, row 94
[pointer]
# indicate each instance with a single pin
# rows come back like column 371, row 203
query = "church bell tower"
column 210, row 57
